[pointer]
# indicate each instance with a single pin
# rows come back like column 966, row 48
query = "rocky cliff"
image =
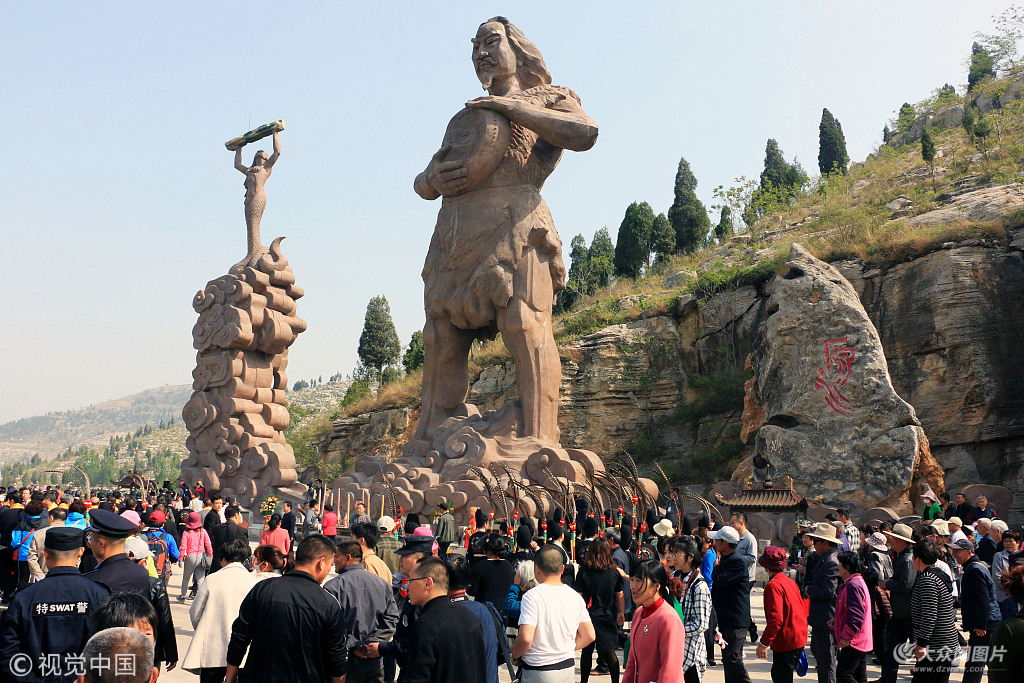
column 950, row 324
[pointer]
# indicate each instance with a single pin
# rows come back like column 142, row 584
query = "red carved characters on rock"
column 832, row 377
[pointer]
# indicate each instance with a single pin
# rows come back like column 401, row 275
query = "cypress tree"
column 906, row 116
column 378, row 344
column 631, row 245
column 687, row 215
column 982, row 66
column 779, row 174
column 413, row 356
column 832, row 156
column 663, row 239
column 928, row 153
column 577, row 283
column 601, row 256
column 725, row 226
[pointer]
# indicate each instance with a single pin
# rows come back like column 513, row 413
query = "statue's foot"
column 250, row 261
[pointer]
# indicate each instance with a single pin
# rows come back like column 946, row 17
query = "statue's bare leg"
column 525, row 327
column 445, row 373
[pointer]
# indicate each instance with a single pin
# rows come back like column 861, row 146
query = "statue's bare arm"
column 277, row 152
column 565, row 125
column 238, row 161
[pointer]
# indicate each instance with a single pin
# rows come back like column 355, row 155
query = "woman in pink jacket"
column 852, row 621
column 656, row 637
column 195, row 545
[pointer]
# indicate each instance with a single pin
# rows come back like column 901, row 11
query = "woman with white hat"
column 931, row 509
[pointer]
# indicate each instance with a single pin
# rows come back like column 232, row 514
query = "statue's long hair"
column 532, row 71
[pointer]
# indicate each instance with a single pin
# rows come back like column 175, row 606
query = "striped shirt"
column 931, row 608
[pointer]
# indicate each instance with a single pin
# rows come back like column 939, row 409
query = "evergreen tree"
column 631, row 245
column 378, row 344
column 928, row 153
column 601, row 256
column 886, row 134
column 982, row 129
column 413, row 357
column 982, row 66
column 687, row 214
column 725, row 226
column 906, row 116
column 778, row 173
column 832, row 156
column 968, row 121
column 946, row 93
column 663, row 239
column 578, row 281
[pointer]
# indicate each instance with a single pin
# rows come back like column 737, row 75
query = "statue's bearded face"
column 493, row 56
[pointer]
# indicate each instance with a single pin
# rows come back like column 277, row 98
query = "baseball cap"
column 136, row 548
column 962, row 544
column 726, row 533
column 386, row 523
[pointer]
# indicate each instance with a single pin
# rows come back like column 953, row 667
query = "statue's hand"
column 447, row 177
column 498, row 103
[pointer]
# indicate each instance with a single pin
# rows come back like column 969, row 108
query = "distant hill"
column 141, row 432
column 50, row 434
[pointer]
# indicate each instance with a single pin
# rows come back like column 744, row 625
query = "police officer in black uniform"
column 106, row 535
column 48, row 623
column 398, row 648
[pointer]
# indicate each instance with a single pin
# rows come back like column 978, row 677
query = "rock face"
column 951, row 323
column 831, row 413
column 381, row 433
column 613, row 380
column 947, row 117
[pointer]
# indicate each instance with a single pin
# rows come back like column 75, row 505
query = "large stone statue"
column 247, row 320
column 495, row 260
column 494, row 265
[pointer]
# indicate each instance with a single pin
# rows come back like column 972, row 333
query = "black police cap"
column 63, row 538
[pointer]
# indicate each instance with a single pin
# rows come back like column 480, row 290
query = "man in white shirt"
column 553, row 624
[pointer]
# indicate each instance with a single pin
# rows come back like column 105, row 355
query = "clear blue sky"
column 119, row 200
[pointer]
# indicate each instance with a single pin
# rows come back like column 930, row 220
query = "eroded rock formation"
column 829, row 409
column 237, row 414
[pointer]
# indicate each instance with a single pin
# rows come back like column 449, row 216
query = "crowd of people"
column 414, row 601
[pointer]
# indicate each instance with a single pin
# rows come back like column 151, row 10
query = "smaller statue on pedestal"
column 255, row 178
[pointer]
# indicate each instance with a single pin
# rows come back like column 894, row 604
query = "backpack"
column 158, row 546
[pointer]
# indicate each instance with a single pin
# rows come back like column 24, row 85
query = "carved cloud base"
column 478, row 460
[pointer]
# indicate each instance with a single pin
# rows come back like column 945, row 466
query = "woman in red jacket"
column 852, row 621
column 785, row 630
column 656, row 637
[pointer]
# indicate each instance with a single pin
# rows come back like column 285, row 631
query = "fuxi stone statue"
column 494, row 265
column 247, row 320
